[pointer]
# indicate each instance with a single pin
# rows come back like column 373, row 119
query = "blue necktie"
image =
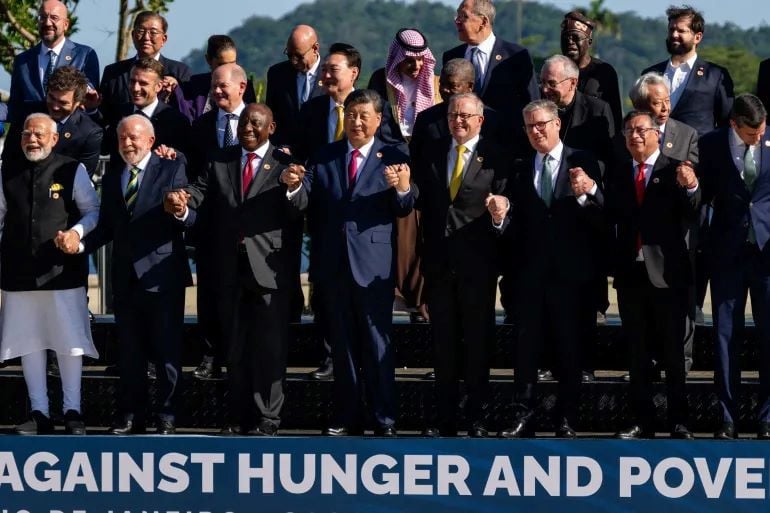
column 49, row 69
column 476, row 61
column 229, row 138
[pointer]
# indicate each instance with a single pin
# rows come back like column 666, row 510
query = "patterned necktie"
column 353, row 168
column 229, row 138
column 339, row 130
column 750, row 177
column 132, row 189
column 248, row 172
column 49, row 69
column 457, row 173
column 639, row 185
column 546, row 181
column 476, row 61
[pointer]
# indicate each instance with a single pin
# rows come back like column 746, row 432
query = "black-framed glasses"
column 639, row 130
column 464, row 116
column 552, row 84
column 297, row 56
column 539, row 126
column 140, row 33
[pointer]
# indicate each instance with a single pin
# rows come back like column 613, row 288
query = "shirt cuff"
column 78, row 228
column 184, row 216
column 584, row 197
column 81, row 248
column 692, row 191
column 402, row 194
column 291, row 194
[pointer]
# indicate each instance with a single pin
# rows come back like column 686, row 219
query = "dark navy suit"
column 26, row 87
column 707, row 97
column 281, row 97
column 738, row 265
column 353, row 263
column 149, row 276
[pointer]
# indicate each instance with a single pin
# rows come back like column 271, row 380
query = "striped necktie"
column 49, row 69
column 132, row 189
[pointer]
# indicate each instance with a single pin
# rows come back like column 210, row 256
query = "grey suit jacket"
column 680, row 142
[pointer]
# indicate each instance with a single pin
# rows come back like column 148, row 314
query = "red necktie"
column 248, row 172
column 639, row 184
column 353, row 168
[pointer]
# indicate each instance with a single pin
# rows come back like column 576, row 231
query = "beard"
column 680, row 49
column 37, row 154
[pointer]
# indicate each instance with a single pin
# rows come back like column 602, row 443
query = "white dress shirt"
column 42, row 57
column 485, row 53
column 470, row 147
column 233, row 123
column 677, row 77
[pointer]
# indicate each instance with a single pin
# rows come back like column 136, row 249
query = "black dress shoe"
column 417, row 318
column 680, row 432
column 430, row 375
column 207, row 370
column 323, row 373
column 635, row 432
column 520, row 430
column 478, row 430
column 386, row 431
column 335, row 431
column 763, row 431
column 589, row 377
column 430, row 432
column 166, row 427
column 726, row 432
column 73, row 423
column 52, row 366
column 128, row 425
column 38, row 424
column 264, row 428
column 544, row 375
column 565, row 430
column 151, row 372
column 231, row 430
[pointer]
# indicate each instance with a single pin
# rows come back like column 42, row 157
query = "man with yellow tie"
column 455, row 176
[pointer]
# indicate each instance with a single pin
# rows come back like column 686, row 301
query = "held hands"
column 168, row 85
column 292, row 176
column 68, row 242
column 165, row 152
column 497, row 207
column 92, row 99
column 398, row 176
column 175, row 202
column 581, row 183
column 685, row 175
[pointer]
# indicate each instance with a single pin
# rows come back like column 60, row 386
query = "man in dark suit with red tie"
column 735, row 172
column 249, row 213
column 355, row 188
column 505, row 78
column 651, row 201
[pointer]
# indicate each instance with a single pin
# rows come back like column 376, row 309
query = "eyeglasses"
column 464, row 116
column 640, row 130
column 552, row 84
column 574, row 38
column 53, row 17
column 140, row 33
column 297, row 56
column 539, row 126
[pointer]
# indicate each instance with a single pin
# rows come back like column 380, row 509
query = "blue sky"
column 191, row 21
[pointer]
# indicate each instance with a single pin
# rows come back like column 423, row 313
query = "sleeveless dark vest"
column 40, row 203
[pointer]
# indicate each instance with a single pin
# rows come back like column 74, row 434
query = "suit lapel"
column 367, row 171
column 263, row 175
column 34, row 72
column 497, row 51
column 474, row 166
column 562, row 187
column 150, row 176
column 234, row 174
column 66, row 57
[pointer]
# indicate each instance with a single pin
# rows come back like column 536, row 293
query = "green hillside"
column 371, row 24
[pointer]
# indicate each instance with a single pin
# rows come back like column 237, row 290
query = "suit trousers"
column 462, row 311
column 653, row 316
column 150, row 327
column 256, row 333
column 730, row 283
column 359, row 321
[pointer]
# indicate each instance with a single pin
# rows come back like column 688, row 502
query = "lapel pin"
column 67, row 57
column 55, row 195
column 479, row 159
column 379, row 154
column 498, row 57
column 320, row 83
column 767, row 144
column 669, row 145
column 266, row 167
column 699, row 72
column 656, row 180
column 67, row 135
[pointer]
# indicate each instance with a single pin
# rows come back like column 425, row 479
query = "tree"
column 126, row 16
column 742, row 64
column 606, row 21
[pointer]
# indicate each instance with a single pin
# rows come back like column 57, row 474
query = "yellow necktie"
column 457, row 173
column 339, row 130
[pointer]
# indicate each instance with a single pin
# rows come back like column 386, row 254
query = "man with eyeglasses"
column 504, row 78
column 651, row 201
column 149, row 34
column 555, row 210
column 597, row 78
column 32, row 68
column 455, row 176
column 291, row 83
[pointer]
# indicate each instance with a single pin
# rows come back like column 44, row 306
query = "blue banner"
column 102, row 474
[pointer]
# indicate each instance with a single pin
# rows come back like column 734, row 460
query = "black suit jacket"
column 588, row 125
column 114, row 85
column 662, row 220
column 600, row 80
column 553, row 242
column 171, row 128
column 707, row 97
column 458, row 235
column 204, row 143
column 191, row 96
column 763, row 83
column 281, row 97
column 147, row 244
column 313, row 126
column 509, row 83
column 432, row 125
column 261, row 219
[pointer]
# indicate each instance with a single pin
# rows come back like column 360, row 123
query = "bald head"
column 302, row 48
column 52, row 22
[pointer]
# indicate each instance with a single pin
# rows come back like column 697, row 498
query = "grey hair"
column 568, row 66
column 41, row 115
column 546, row 105
column 478, row 105
column 485, row 8
column 461, row 68
column 640, row 91
column 137, row 117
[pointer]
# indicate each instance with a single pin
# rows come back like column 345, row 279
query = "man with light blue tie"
column 735, row 170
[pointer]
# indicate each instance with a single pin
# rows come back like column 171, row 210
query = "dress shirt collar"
column 470, row 145
column 237, row 111
column 486, row 45
column 555, row 154
column 56, row 49
column 363, row 150
column 333, row 104
column 313, row 71
column 737, row 142
column 142, row 164
column 685, row 66
column 149, row 110
column 156, row 57
column 260, row 151
column 649, row 162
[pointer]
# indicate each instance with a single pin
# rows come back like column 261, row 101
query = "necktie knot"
column 353, row 168
column 457, row 173
column 229, row 138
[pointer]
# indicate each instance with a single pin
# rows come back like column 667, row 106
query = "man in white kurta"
column 47, row 204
